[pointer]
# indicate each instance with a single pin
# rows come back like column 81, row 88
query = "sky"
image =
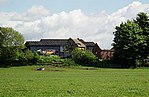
column 91, row 20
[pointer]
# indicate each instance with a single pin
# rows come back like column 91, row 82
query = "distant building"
column 58, row 46
column 107, row 54
column 63, row 47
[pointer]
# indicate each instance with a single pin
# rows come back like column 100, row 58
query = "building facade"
column 64, row 47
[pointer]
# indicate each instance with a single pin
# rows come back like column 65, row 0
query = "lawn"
column 73, row 82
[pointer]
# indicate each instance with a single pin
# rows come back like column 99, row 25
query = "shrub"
column 68, row 62
column 48, row 59
column 55, row 60
column 27, row 57
column 8, row 56
column 86, row 58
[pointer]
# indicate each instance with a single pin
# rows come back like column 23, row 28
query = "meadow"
column 26, row 81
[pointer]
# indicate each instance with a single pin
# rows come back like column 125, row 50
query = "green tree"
column 11, row 42
column 131, row 41
column 10, row 38
column 126, row 42
column 143, row 21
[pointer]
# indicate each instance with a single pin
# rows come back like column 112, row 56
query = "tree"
column 126, row 42
column 143, row 21
column 11, row 42
column 131, row 41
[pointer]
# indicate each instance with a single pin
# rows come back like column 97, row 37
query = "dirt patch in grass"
column 56, row 70
column 51, row 70
column 88, row 68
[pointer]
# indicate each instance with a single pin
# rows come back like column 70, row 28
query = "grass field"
column 73, row 82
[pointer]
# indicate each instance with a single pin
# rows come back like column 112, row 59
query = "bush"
column 68, row 62
column 48, row 59
column 8, row 56
column 27, row 57
column 15, row 57
column 55, row 60
column 86, row 58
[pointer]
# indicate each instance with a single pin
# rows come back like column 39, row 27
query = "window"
column 61, row 48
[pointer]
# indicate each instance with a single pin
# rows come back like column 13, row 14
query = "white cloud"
column 37, row 23
column 32, row 14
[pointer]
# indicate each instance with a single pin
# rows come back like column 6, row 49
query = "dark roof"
column 89, row 43
column 54, row 41
column 86, row 43
column 28, row 43
column 47, row 42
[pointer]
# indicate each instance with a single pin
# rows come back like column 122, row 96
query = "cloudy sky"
column 92, row 20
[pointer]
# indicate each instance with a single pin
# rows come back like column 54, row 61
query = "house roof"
column 79, row 43
column 32, row 43
column 49, row 40
column 54, row 41
column 86, row 43
column 89, row 43
column 45, row 42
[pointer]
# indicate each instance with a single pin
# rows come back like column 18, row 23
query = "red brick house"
column 107, row 54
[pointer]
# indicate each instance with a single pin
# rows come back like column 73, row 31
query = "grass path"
column 73, row 82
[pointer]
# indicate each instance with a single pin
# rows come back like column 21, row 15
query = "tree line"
column 131, row 44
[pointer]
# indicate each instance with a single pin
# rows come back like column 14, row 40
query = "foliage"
column 55, row 60
column 68, row 62
column 11, row 42
column 84, row 57
column 8, row 56
column 10, row 37
column 131, row 41
column 48, row 59
column 25, row 81
column 143, row 21
column 27, row 57
column 126, row 42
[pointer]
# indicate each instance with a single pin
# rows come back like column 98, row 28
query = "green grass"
column 73, row 82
